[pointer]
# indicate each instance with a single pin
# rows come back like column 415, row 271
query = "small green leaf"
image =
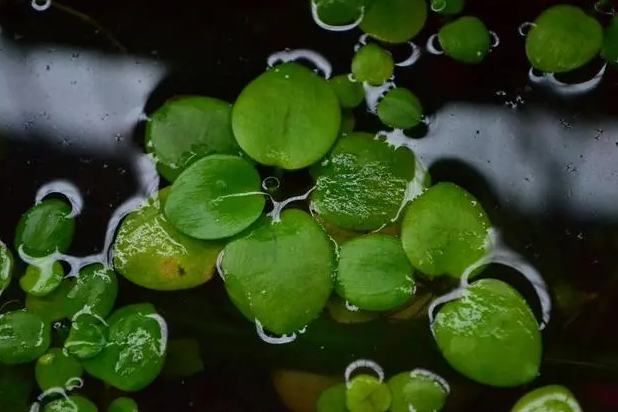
column 366, row 393
column 136, row 348
column 445, row 230
column 362, row 183
column 42, row 279
column 185, row 129
column 562, row 39
column 400, row 109
column 51, row 306
column 24, row 337
column 417, row 391
column 447, row 7
column 152, row 253
column 490, row 335
column 183, row 359
column 215, row 198
column 350, row 94
column 45, row 228
column 73, row 403
column 55, row 369
column 268, row 279
column 87, row 337
column 6, row 267
column 93, row 292
column 395, row 21
column 288, row 117
column 552, row 398
column 466, row 39
column 123, row 404
column 372, row 64
column 374, row 273
column 333, row 399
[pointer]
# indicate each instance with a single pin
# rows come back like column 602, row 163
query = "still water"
column 539, row 152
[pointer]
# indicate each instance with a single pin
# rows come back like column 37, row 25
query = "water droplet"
column 525, row 28
column 325, row 26
column 363, row 364
column 414, row 56
column 41, row 5
column 273, row 340
column 270, row 184
column 433, row 45
column 315, row 58
column 495, row 40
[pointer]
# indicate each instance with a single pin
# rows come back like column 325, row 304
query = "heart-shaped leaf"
column 24, row 337
column 400, row 109
column 268, row 277
column 135, row 352
column 372, row 64
column 395, row 21
column 349, row 93
column 490, row 335
column 466, row 39
column 152, row 253
column 288, row 117
column 562, row 39
column 94, row 292
column 188, row 128
column 45, row 228
column 366, row 393
column 417, row 391
column 56, row 368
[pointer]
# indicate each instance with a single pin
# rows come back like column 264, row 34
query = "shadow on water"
column 544, row 166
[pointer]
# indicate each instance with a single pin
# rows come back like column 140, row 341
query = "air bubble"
column 285, row 56
column 495, row 40
column 39, row 5
column 363, row 364
column 433, row 376
column 433, row 45
column 525, row 28
column 414, row 56
column 270, row 184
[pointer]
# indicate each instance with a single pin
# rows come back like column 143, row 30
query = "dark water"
column 543, row 160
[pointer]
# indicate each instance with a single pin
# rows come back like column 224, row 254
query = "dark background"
column 544, row 165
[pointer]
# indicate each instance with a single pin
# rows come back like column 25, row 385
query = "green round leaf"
column 350, row 94
column 362, row 183
column 490, row 335
column 610, row 42
column 45, row 228
column 43, row 279
column 366, row 393
column 183, row 359
column 340, row 12
column 447, row 7
column 55, row 369
column 93, row 292
column 215, row 198
column 73, row 403
column 287, row 117
column 552, row 398
column 466, row 39
column 135, row 352
column 395, row 21
column 562, row 39
column 333, row 399
column 123, row 405
column 374, row 273
column 264, row 271
column 445, row 230
column 400, row 109
column 415, row 391
column 6, row 266
column 51, row 306
column 372, row 64
column 24, row 337
column 186, row 129
column 152, row 253
column 87, row 337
